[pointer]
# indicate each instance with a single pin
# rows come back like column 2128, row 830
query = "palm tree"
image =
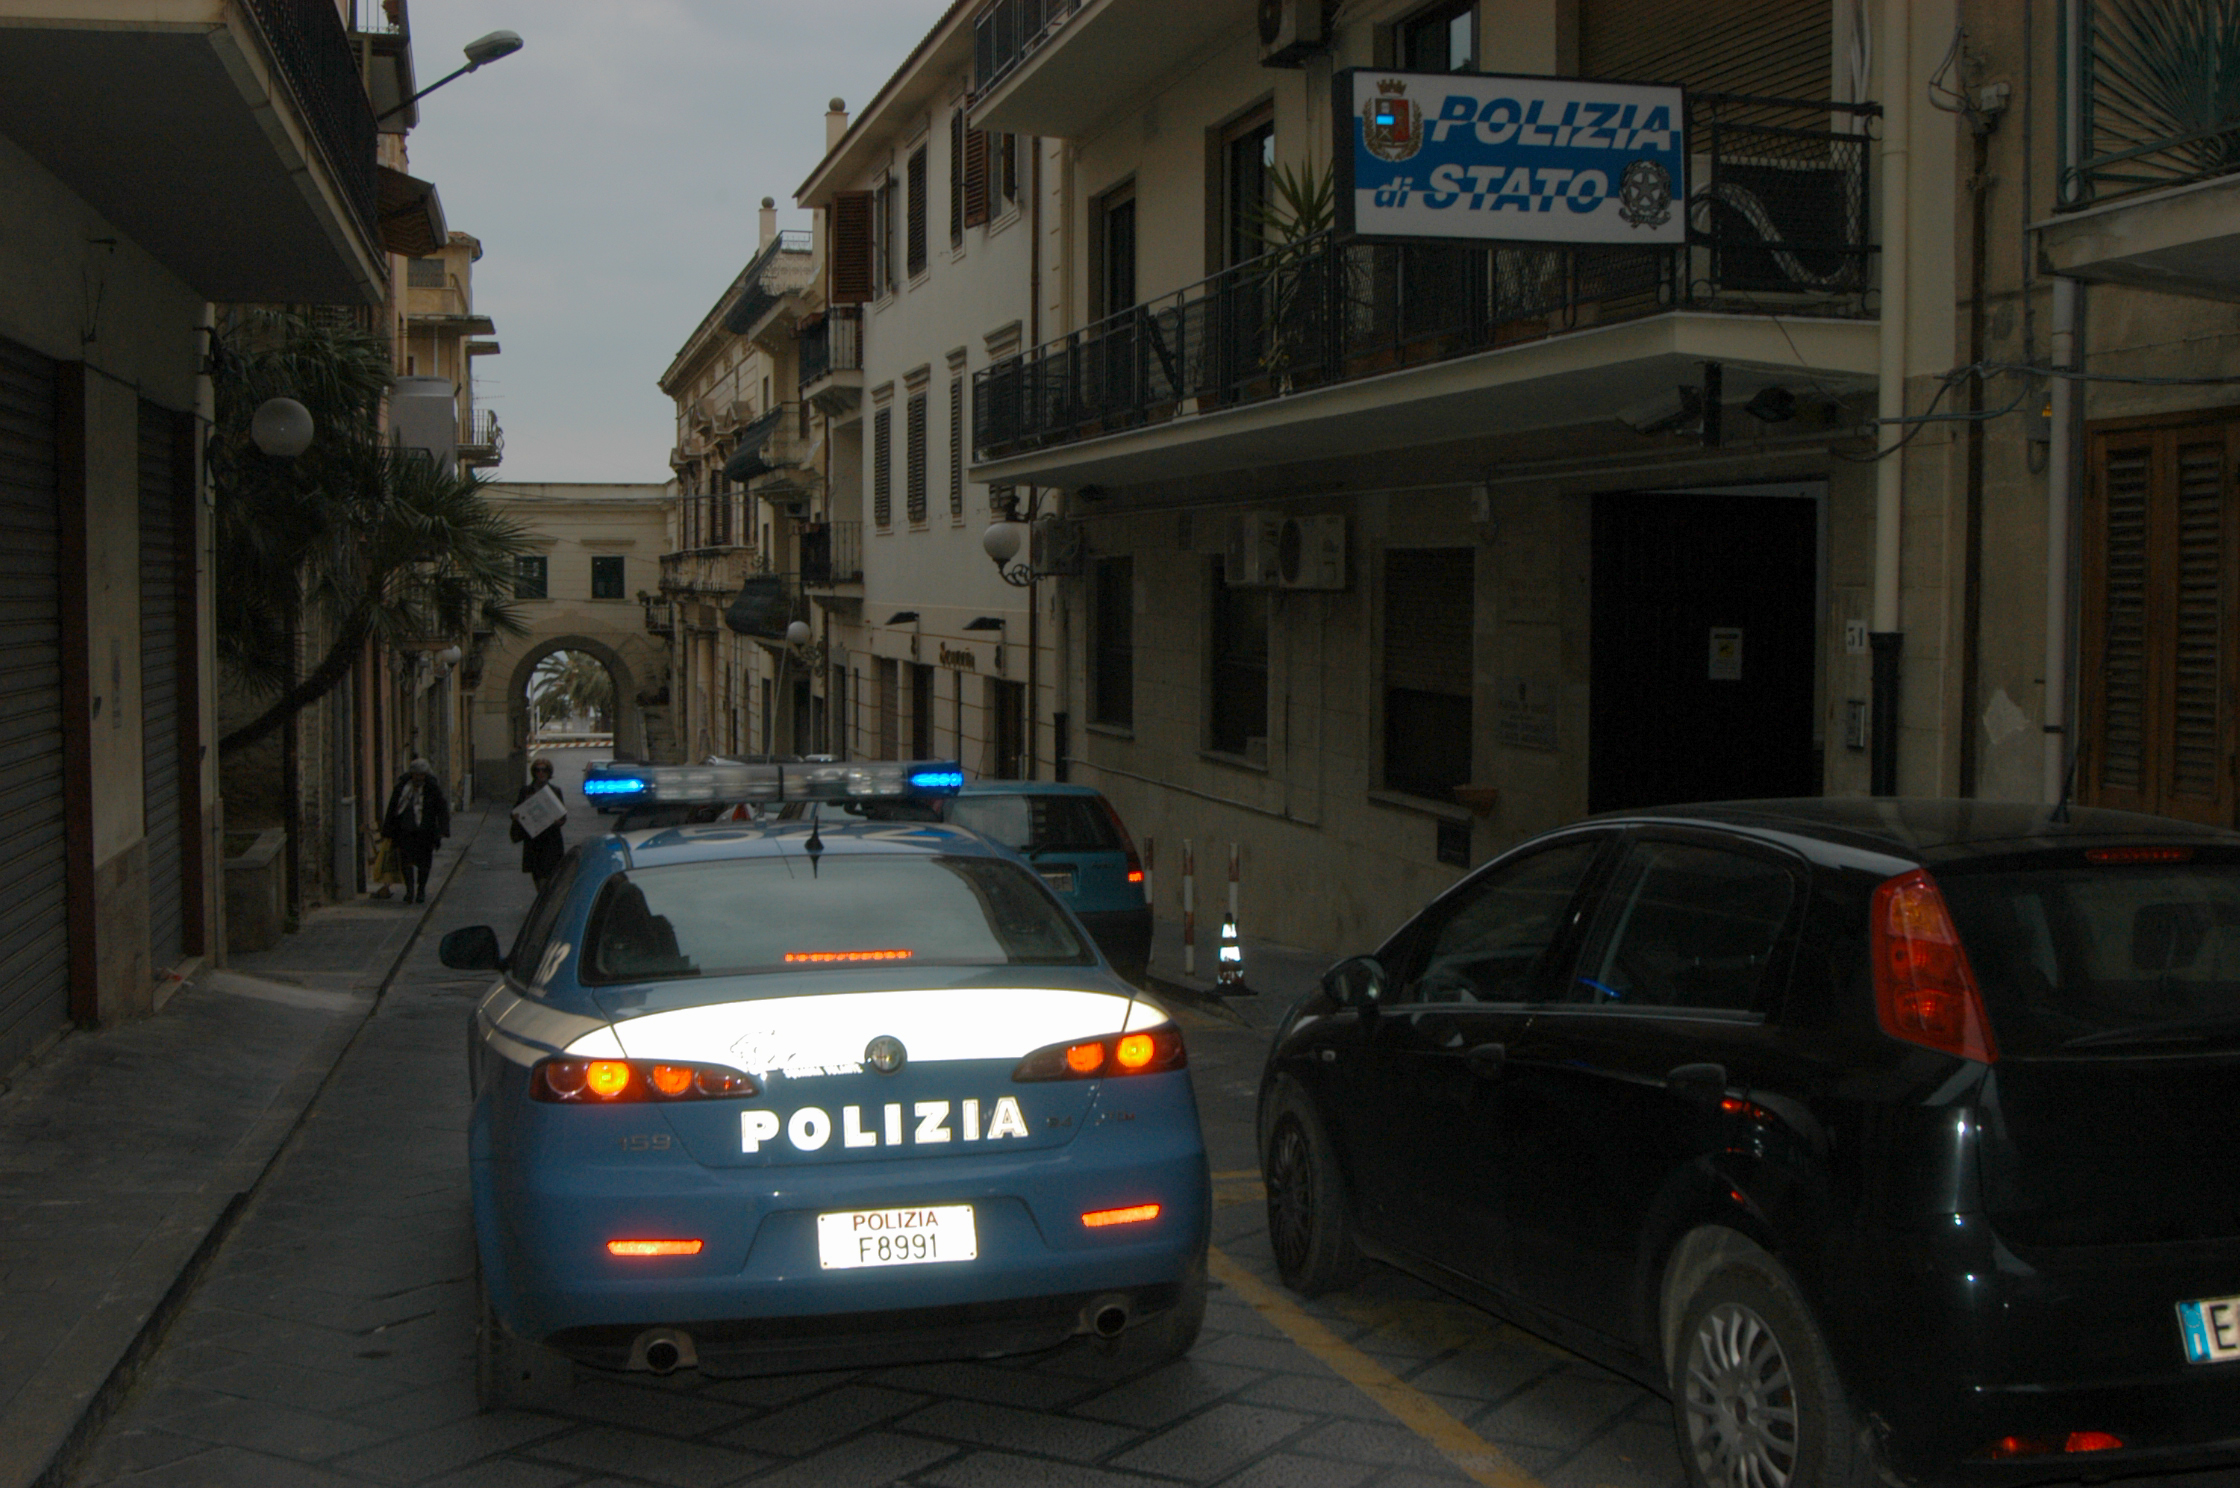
column 375, row 543
column 568, row 683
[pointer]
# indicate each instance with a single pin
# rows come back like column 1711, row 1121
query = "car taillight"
column 602, row 1082
column 1924, row 989
column 1127, row 843
column 1146, row 1053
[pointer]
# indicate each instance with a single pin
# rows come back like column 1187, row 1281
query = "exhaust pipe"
column 1108, row 1317
column 663, row 1351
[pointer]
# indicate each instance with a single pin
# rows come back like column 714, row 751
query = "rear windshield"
column 1027, row 823
column 2084, row 957
column 847, row 911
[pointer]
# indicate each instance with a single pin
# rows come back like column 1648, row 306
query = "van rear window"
column 1030, row 823
column 2085, row 957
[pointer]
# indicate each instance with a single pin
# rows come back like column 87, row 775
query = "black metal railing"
column 313, row 48
column 832, row 553
column 834, row 343
column 2156, row 104
column 765, row 605
column 1780, row 225
column 1006, row 31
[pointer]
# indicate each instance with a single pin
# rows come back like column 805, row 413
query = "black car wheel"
column 1308, row 1222
column 1754, row 1393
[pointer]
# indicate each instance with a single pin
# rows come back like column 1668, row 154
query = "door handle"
column 1486, row 1060
column 1699, row 1082
column 1329, row 1056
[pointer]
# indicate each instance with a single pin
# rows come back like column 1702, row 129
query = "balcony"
column 1329, row 347
column 772, row 457
column 482, row 444
column 1057, row 67
column 765, row 605
column 2155, row 202
column 831, row 554
column 385, row 41
column 831, row 360
column 711, row 572
column 232, row 141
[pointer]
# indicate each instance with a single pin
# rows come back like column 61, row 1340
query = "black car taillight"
column 1146, row 1053
column 1924, row 990
column 601, row 1082
column 1127, row 843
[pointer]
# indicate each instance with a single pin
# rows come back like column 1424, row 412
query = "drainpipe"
column 1885, row 637
column 2061, row 453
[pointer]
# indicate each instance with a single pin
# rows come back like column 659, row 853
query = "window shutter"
column 882, row 478
column 1767, row 48
column 914, row 435
column 956, row 177
column 2119, row 761
column 975, row 177
column 956, row 448
column 917, row 209
column 1429, row 595
column 851, row 248
column 2201, row 600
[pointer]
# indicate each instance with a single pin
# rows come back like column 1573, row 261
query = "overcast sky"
column 613, row 168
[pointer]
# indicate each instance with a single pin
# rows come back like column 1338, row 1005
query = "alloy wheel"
column 1291, row 1196
column 1741, row 1401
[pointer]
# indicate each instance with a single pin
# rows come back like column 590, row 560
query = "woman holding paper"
column 536, row 826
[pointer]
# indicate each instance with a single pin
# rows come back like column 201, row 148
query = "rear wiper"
column 2177, row 1030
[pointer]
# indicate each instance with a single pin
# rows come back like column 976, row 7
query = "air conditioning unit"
column 1292, row 31
column 1249, row 561
column 1311, row 553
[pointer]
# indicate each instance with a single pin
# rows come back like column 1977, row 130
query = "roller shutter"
column 1430, row 617
column 1768, row 48
column 34, row 940
column 159, row 684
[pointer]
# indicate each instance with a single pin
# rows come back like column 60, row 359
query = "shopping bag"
column 385, row 864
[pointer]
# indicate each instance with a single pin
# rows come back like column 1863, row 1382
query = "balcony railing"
column 833, row 344
column 706, row 571
column 1780, row 226
column 765, row 605
column 2155, row 106
column 313, row 49
column 1007, row 31
column 832, row 553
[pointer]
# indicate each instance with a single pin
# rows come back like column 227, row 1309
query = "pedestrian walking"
column 542, row 848
column 417, row 819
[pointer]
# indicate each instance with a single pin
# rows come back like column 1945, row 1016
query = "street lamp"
column 479, row 51
column 1002, row 542
column 281, row 427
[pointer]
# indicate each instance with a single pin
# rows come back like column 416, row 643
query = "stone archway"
column 629, row 719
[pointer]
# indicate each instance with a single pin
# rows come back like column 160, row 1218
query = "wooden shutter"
column 851, row 248
column 914, row 457
column 1769, row 48
column 956, row 177
column 2159, row 611
column 975, row 177
column 916, row 247
column 882, row 469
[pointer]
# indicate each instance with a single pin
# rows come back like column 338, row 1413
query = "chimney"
column 835, row 123
column 769, row 221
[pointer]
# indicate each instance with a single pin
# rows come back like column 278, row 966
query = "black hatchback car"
column 1885, row 1137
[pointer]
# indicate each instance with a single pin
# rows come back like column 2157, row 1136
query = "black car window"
column 536, row 930
column 1489, row 940
column 1685, row 926
column 842, row 911
column 1034, row 823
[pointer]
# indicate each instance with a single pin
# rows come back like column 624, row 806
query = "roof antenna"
column 2060, row 817
column 815, row 844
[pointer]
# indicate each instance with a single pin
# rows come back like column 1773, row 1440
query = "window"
column 2159, row 615
column 882, row 467
column 1428, row 623
column 921, row 711
column 529, row 576
column 1007, row 729
column 1247, row 161
column 1237, row 712
column 956, row 449
column 975, row 177
column 1688, row 927
column 1010, row 148
column 1489, row 940
column 1112, row 658
column 423, row 273
column 528, row 946
column 917, row 216
column 888, row 674
column 914, row 456
column 1116, row 244
column 1443, row 38
column 956, row 176
column 606, row 576
column 1037, row 823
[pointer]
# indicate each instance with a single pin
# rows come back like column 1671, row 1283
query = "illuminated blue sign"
column 1510, row 159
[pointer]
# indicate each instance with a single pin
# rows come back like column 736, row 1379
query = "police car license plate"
column 896, row 1237
column 2211, row 1328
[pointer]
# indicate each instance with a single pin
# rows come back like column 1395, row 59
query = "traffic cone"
column 1231, row 978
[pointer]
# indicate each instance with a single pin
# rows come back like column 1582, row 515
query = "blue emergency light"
column 614, row 785
column 854, row 780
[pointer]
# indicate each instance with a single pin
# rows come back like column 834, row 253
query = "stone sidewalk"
column 126, row 1155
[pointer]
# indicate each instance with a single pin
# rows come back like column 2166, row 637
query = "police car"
column 767, row 1096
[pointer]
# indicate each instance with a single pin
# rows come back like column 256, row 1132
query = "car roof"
column 717, row 841
column 1025, row 788
column 1931, row 829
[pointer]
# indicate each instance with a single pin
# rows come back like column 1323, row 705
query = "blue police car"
column 767, row 1096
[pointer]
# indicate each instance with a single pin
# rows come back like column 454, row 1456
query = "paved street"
column 330, row 1340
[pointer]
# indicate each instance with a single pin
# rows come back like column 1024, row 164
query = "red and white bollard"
column 1189, row 910
column 1231, row 974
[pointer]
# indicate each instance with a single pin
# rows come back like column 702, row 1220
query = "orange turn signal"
column 607, row 1078
column 1135, row 875
column 653, row 1247
column 1085, row 1059
column 1097, row 1219
column 671, row 1079
column 1134, row 1051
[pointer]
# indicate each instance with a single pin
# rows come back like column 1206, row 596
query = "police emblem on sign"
column 1645, row 195
column 1391, row 125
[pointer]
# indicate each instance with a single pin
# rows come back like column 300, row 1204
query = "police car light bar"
column 857, row 780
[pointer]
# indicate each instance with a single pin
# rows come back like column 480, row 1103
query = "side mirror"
column 1358, row 983
column 472, row 949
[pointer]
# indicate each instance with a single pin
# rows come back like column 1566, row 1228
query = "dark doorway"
column 1704, row 639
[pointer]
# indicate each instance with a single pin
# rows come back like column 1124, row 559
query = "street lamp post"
column 481, row 50
column 1003, row 542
